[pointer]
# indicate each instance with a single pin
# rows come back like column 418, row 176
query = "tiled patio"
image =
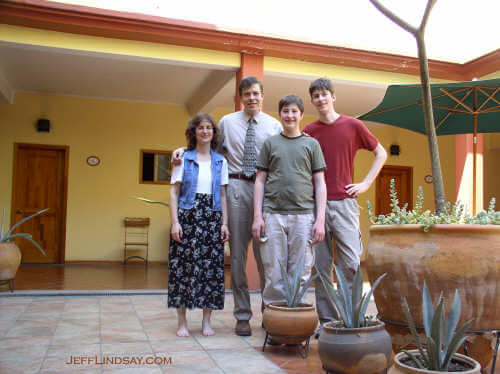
column 41, row 334
column 78, row 334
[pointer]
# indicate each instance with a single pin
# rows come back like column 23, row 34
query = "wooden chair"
column 136, row 238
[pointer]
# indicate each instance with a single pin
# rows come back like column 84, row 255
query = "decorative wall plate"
column 93, row 161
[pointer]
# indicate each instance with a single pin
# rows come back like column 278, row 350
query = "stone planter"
column 400, row 368
column 297, row 323
column 365, row 350
column 448, row 257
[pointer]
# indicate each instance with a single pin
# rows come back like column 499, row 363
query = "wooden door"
column 40, row 181
column 403, row 177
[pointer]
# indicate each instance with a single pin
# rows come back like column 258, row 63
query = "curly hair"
column 191, row 130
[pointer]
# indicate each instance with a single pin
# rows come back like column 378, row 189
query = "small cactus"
column 450, row 215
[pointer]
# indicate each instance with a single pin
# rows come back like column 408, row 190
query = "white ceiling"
column 68, row 72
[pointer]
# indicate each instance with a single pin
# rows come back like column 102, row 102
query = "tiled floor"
column 42, row 334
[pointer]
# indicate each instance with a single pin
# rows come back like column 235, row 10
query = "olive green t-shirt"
column 290, row 164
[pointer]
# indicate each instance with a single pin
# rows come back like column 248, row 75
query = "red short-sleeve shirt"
column 339, row 142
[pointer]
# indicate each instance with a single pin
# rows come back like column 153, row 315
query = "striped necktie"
column 249, row 152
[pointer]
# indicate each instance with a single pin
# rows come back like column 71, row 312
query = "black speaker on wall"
column 43, row 125
column 395, row 150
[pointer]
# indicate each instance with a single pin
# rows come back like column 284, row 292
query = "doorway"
column 40, row 181
column 403, row 177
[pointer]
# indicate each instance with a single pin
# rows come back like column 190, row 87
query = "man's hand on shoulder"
column 177, row 156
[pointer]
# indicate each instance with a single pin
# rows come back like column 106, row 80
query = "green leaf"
column 29, row 238
column 357, row 290
column 414, row 358
column 358, row 319
column 366, row 301
column 24, row 220
column 456, row 342
column 427, row 310
column 296, row 279
column 413, row 331
column 431, row 354
column 305, row 287
column 284, row 276
column 336, row 301
column 345, row 293
column 149, row 201
column 452, row 320
column 437, row 331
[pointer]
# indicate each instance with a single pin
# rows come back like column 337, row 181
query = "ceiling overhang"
column 133, row 26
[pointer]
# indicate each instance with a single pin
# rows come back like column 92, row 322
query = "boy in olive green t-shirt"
column 285, row 199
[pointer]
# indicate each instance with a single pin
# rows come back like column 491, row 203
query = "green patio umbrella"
column 459, row 108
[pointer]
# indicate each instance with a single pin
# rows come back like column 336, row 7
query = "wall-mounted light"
column 394, row 149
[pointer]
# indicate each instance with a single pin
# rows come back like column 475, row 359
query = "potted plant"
column 450, row 256
column 452, row 251
column 357, row 344
column 293, row 321
column 442, row 340
column 10, row 255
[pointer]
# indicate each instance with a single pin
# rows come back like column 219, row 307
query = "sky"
column 457, row 31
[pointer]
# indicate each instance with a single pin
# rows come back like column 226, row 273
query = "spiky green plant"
column 295, row 293
column 442, row 337
column 449, row 215
column 351, row 303
column 9, row 234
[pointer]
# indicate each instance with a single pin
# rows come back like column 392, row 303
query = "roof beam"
column 203, row 94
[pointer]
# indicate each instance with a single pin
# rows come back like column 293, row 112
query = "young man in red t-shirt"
column 340, row 137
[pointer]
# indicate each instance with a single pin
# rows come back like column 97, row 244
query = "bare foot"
column 207, row 329
column 182, row 331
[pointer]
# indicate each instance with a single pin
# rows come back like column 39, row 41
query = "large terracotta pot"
column 298, row 323
column 365, row 350
column 400, row 368
column 10, row 258
column 448, row 257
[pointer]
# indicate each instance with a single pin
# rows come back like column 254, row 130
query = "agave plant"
column 442, row 339
column 295, row 293
column 351, row 304
column 9, row 235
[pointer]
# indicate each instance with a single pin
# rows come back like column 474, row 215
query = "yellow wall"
column 491, row 162
column 98, row 197
column 492, row 75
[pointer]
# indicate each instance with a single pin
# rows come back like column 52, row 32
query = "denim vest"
column 190, row 179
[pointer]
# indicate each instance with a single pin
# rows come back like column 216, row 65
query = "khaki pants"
column 342, row 224
column 288, row 241
column 240, row 219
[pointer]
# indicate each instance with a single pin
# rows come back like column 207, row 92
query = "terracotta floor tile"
column 31, row 328
column 189, row 360
column 117, row 335
column 231, row 361
column 176, row 344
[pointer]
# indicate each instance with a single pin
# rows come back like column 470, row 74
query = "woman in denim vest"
column 198, row 212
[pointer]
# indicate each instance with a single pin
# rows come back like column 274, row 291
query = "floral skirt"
column 196, row 266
